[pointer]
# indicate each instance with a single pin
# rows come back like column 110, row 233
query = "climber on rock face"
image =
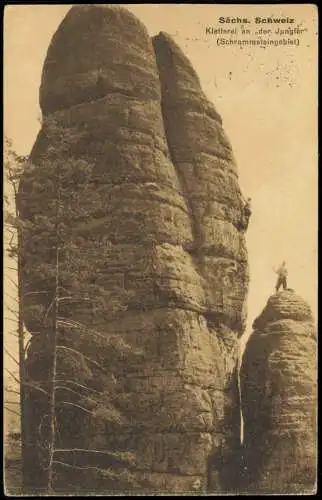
column 246, row 213
column 281, row 276
column 248, row 210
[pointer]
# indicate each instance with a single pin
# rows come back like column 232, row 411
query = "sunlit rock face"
column 278, row 381
column 207, row 170
column 160, row 257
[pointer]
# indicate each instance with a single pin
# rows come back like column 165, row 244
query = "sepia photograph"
column 160, row 249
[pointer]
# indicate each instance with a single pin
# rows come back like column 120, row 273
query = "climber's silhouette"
column 281, row 276
column 246, row 213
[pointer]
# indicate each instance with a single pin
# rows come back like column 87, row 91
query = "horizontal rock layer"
column 153, row 269
column 278, row 380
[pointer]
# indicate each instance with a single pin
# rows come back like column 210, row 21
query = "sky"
column 267, row 98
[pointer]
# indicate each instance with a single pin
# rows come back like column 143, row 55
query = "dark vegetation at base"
column 12, row 464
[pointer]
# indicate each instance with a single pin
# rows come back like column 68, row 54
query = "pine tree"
column 56, row 199
column 14, row 166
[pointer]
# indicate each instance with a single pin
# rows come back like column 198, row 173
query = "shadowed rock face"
column 278, row 382
column 206, row 168
column 164, row 246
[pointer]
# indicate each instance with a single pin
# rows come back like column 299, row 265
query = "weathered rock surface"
column 207, row 170
column 278, row 382
column 160, row 261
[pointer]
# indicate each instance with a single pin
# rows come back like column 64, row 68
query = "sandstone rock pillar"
column 164, row 274
column 278, row 381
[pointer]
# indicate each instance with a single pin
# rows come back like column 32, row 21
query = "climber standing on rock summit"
column 281, row 276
